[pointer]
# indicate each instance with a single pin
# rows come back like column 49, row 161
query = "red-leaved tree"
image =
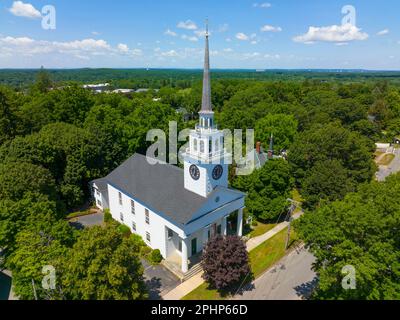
column 225, row 261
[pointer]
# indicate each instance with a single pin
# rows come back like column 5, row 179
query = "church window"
column 121, row 216
column 216, row 145
column 147, row 216
column 202, row 146
column 148, row 238
column 133, row 226
column 195, row 144
column 170, row 234
column 120, row 198
column 133, row 207
column 209, row 146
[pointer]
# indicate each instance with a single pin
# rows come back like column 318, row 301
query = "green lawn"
column 261, row 228
column 296, row 196
column 261, row 259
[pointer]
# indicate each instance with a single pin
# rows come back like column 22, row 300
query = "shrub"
column 225, row 261
column 107, row 216
column 137, row 240
column 126, row 232
column 145, row 251
column 155, row 256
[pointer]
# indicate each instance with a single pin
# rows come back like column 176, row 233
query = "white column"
column 225, row 226
column 205, row 235
column 185, row 265
column 240, row 223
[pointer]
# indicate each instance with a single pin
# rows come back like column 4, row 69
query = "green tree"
column 103, row 265
column 16, row 215
column 43, row 81
column 20, row 178
column 267, row 189
column 332, row 142
column 43, row 242
column 282, row 126
column 326, row 181
column 8, row 118
column 360, row 231
column 106, row 123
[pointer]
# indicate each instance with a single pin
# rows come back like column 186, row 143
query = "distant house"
column 98, row 88
column 184, row 113
column 123, row 91
column 258, row 157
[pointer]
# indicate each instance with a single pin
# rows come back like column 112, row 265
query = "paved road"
column 159, row 280
column 291, row 279
column 88, row 221
column 394, row 167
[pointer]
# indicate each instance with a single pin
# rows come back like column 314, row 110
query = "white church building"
column 177, row 210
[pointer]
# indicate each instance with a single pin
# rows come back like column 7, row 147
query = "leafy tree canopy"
column 360, row 231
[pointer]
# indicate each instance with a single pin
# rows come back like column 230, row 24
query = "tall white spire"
column 206, row 98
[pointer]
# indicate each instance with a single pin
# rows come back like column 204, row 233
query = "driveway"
column 393, row 167
column 291, row 279
column 159, row 280
column 90, row 220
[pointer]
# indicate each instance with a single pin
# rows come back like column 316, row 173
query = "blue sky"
column 169, row 33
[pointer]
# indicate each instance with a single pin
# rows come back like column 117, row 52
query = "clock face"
column 217, row 172
column 194, row 172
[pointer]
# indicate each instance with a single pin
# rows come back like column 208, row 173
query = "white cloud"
column 171, row 53
column 264, row 5
column 383, row 32
column 341, row 44
column 24, row 46
column 254, row 42
column 123, row 48
column 188, row 25
column 137, row 52
column 223, row 28
column 171, row 33
column 251, row 55
column 242, row 36
column 23, row 41
column 228, row 50
column 343, row 33
column 27, row 10
column 272, row 56
column 268, row 28
column 95, row 33
column 189, row 38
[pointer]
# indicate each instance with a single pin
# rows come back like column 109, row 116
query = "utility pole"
column 292, row 208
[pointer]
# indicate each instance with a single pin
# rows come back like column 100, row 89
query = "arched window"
column 202, row 146
column 195, row 144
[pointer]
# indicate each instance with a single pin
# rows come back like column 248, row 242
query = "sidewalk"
column 188, row 286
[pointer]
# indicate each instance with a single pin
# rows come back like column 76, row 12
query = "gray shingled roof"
column 159, row 187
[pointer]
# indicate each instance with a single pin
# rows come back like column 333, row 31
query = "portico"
column 185, row 252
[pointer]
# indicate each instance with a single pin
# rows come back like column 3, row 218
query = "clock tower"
column 204, row 161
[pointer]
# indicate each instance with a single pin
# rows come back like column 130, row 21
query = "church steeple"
column 206, row 98
column 204, row 164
